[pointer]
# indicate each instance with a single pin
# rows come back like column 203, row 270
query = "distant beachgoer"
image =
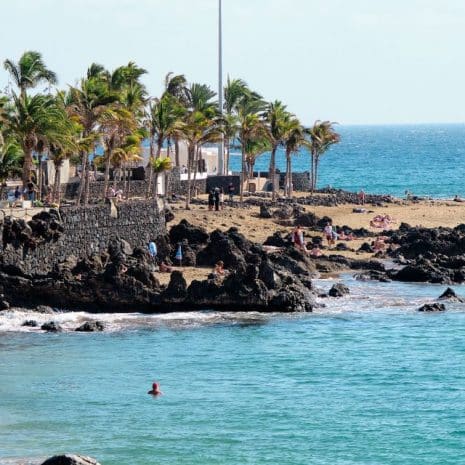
column 164, row 268
column 458, row 199
column 111, row 192
column 119, row 194
column 298, row 238
column 316, row 252
column 217, row 198
column 328, row 232
column 155, row 391
column 231, row 190
column 17, row 194
column 361, row 197
column 378, row 244
column 30, row 190
column 219, row 269
column 211, row 200
column 153, row 250
column 221, row 198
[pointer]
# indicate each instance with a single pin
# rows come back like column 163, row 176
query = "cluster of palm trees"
column 112, row 111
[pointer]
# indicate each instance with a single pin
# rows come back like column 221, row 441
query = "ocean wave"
column 13, row 320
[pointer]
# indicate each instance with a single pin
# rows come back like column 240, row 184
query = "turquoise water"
column 366, row 380
column 426, row 159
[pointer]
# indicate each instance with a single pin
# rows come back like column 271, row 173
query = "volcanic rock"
column 51, row 327
column 450, row 295
column 69, row 459
column 432, row 308
column 91, row 326
column 338, row 290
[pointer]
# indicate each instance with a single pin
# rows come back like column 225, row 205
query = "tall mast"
column 221, row 167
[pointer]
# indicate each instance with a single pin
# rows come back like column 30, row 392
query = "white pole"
column 221, row 167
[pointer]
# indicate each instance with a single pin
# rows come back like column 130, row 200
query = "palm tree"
column 176, row 86
column 322, row 136
column 158, row 166
column 164, row 115
column 253, row 149
column 115, row 126
column 235, row 92
column 29, row 72
column 293, row 140
column 250, row 127
column 87, row 105
column 196, row 129
column 11, row 161
column 32, row 119
column 275, row 116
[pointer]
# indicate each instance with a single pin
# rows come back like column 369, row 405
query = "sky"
column 348, row 61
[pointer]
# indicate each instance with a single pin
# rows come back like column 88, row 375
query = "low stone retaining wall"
column 88, row 230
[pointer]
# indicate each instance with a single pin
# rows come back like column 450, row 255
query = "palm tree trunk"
column 241, row 187
column 190, row 156
column 155, row 186
column 312, row 174
column 56, row 184
column 106, row 181
column 226, row 156
column 317, row 162
column 27, row 166
column 84, row 158
column 273, row 173
column 39, row 175
column 151, row 156
column 176, row 151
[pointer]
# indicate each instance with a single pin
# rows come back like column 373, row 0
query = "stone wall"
column 301, row 181
column 136, row 189
column 178, row 187
column 88, row 230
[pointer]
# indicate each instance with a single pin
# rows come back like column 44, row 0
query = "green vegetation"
column 112, row 110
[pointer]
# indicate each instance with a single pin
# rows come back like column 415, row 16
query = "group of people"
column 17, row 195
column 329, row 233
column 114, row 193
column 216, row 197
column 382, row 222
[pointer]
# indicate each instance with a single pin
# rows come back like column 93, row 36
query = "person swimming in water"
column 155, row 390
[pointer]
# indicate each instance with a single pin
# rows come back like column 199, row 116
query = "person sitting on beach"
column 219, row 270
column 155, row 391
column 458, row 199
column 298, row 238
column 379, row 245
column 164, row 268
column 316, row 252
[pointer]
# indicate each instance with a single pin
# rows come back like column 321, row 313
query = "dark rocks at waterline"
column 30, row 323
column 70, row 459
column 338, row 290
column 90, row 327
column 435, row 307
column 450, row 295
column 373, row 275
column 51, row 327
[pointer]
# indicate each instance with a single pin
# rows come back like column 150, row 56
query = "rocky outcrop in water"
column 432, row 308
column 70, row 459
column 434, row 255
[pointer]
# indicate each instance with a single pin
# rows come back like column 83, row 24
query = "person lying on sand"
column 164, row 268
column 219, row 270
column 271, row 248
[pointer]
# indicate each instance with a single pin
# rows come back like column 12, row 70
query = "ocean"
column 364, row 380
column 428, row 160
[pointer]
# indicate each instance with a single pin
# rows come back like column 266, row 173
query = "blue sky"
column 350, row 61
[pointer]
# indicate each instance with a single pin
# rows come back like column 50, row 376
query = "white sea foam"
column 13, row 320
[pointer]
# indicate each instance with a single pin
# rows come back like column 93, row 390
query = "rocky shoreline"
column 124, row 278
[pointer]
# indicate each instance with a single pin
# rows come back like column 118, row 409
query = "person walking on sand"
column 217, row 198
column 298, row 238
column 231, row 192
column 211, row 200
column 221, row 199
column 328, row 232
